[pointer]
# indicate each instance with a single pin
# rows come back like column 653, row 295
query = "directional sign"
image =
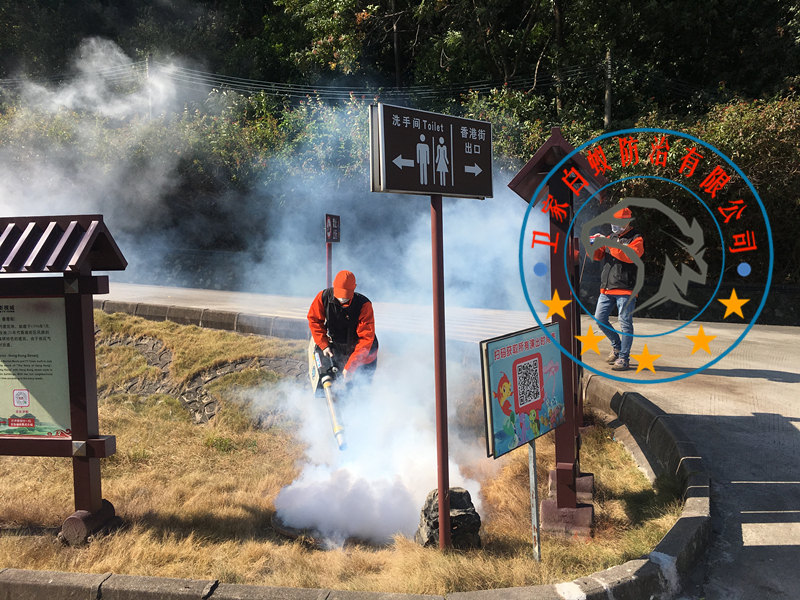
column 419, row 152
column 331, row 228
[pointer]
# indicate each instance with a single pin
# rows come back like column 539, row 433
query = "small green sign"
column 34, row 378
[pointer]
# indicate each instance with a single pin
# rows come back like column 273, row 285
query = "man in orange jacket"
column 343, row 327
column 616, row 285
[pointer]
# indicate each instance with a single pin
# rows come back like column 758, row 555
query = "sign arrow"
column 403, row 162
column 475, row 169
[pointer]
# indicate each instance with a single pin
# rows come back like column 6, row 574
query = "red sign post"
column 418, row 152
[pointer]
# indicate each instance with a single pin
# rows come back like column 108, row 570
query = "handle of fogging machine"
column 338, row 430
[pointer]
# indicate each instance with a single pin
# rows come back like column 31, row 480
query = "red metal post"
column 328, row 268
column 440, row 374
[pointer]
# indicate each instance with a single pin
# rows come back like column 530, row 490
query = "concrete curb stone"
column 257, row 324
column 153, row 312
column 235, row 591
column 219, row 319
column 138, row 587
column 21, row 584
column 184, row 315
column 633, row 580
column 112, row 306
column 538, row 592
column 349, row 595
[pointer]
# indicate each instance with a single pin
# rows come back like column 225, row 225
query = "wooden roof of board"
column 551, row 152
column 76, row 244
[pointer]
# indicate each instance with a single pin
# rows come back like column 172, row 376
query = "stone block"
column 686, row 541
column 115, row 306
column 577, row 523
column 184, row 315
column 584, row 486
column 136, row 587
column 229, row 591
column 537, row 592
column 633, row 580
column 348, row 595
column 152, row 312
column 21, row 584
column 257, row 324
column 293, row 329
column 639, row 414
column 219, row 319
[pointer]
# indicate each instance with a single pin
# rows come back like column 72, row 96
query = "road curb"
column 660, row 575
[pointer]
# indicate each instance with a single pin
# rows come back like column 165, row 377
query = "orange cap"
column 623, row 213
column 344, row 284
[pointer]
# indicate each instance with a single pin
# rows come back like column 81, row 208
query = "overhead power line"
column 185, row 77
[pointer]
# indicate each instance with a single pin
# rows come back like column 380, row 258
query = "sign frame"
column 442, row 158
column 332, row 228
column 521, row 348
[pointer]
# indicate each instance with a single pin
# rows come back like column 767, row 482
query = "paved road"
column 742, row 413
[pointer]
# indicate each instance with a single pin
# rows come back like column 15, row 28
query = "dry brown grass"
column 197, row 503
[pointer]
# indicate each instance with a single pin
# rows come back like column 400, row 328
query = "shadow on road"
column 755, row 493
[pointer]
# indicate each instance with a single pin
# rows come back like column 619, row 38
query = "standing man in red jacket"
column 616, row 286
column 343, row 327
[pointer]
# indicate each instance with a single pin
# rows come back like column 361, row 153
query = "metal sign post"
column 534, row 484
column 523, row 395
column 332, row 231
column 419, row 152
column 440, row 374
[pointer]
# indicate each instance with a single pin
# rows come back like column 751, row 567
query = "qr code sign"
column 22, row 398
column 528, row 382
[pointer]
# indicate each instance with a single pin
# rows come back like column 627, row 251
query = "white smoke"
column 376, row 487
column 100, row 65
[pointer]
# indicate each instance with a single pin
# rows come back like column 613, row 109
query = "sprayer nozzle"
column 340, row 440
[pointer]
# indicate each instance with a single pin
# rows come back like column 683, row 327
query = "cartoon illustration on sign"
column 503, row 395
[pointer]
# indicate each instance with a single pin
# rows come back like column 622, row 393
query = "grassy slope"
column 197, row 500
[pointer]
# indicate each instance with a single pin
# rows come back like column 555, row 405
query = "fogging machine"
column 323, row 371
